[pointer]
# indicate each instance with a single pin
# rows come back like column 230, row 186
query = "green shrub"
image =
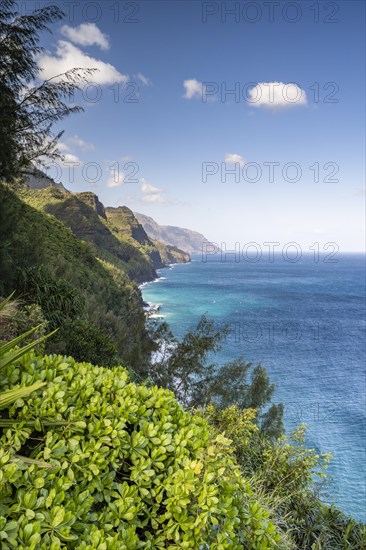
column 130, row 470
column 10, row 353
column 58, row 299
column 17, row 318
column 85, row 342
column 284, row 474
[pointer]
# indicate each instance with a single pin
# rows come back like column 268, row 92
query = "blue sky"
column 168, row 56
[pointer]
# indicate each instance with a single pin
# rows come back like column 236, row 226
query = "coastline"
column 305, row 360
column 152, row 309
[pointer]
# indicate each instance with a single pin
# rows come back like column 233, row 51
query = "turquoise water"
column 305, row 322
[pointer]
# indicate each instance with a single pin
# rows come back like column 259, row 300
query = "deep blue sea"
column 305, row 322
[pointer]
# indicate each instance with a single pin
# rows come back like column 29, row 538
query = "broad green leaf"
column 8, row 397
column 15, row 355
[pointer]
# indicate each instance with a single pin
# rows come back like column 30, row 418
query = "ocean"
column 305, row 323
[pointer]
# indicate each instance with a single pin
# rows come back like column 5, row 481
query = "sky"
column 243, row 120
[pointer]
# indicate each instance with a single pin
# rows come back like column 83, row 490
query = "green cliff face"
column 92, row 200
column 43, row 259
column 125, row 225
column 81, row 263
column 115, row 234
column 172, row 254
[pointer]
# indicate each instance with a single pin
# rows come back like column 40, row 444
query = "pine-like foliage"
column 30, row 106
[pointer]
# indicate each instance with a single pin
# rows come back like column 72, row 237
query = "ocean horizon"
column 305, row 323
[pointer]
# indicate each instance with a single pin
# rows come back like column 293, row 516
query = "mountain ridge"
column 183, row 238
column 115, row 233
column 77, row 290
column 178, row 241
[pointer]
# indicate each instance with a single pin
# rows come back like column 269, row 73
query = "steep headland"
column 185, row 239
column 115, row 233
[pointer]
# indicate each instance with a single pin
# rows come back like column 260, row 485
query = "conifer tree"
column 30, row 106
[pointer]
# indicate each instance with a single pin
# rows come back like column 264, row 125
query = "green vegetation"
column 85, row 216
column 16, row 318
column 191, row 457
column 182, row 366
column 130, row 469
column 116, row 235
column 9, row 353
column 83, row 280
column 50, row 267
column 124, row 225
column 30, row 108
column 92, row 460
column 285, row 474
column 170, row 254
column 125, row 228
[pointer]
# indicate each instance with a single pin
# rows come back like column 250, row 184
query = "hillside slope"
column 46, row 263
column 185, row 239
column 125, row 226
column 85, row 216
column 171, row 254
column 36, row 179
column 114, row 233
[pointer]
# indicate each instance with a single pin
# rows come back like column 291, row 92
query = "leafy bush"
column 284, row 475
column 131, row 469
column 10, row 353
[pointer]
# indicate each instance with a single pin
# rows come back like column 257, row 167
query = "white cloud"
column 63, row 146
column 150, row 193
column 146, row 81
column 193, row 88
column 71, row 159
column 233, row 158
column 148, row 187
column 69, row 56
column 80, row 143
column 156, row 198
column 116, row 178
column 86, row 34
column 276, row 95
column 75, row 141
